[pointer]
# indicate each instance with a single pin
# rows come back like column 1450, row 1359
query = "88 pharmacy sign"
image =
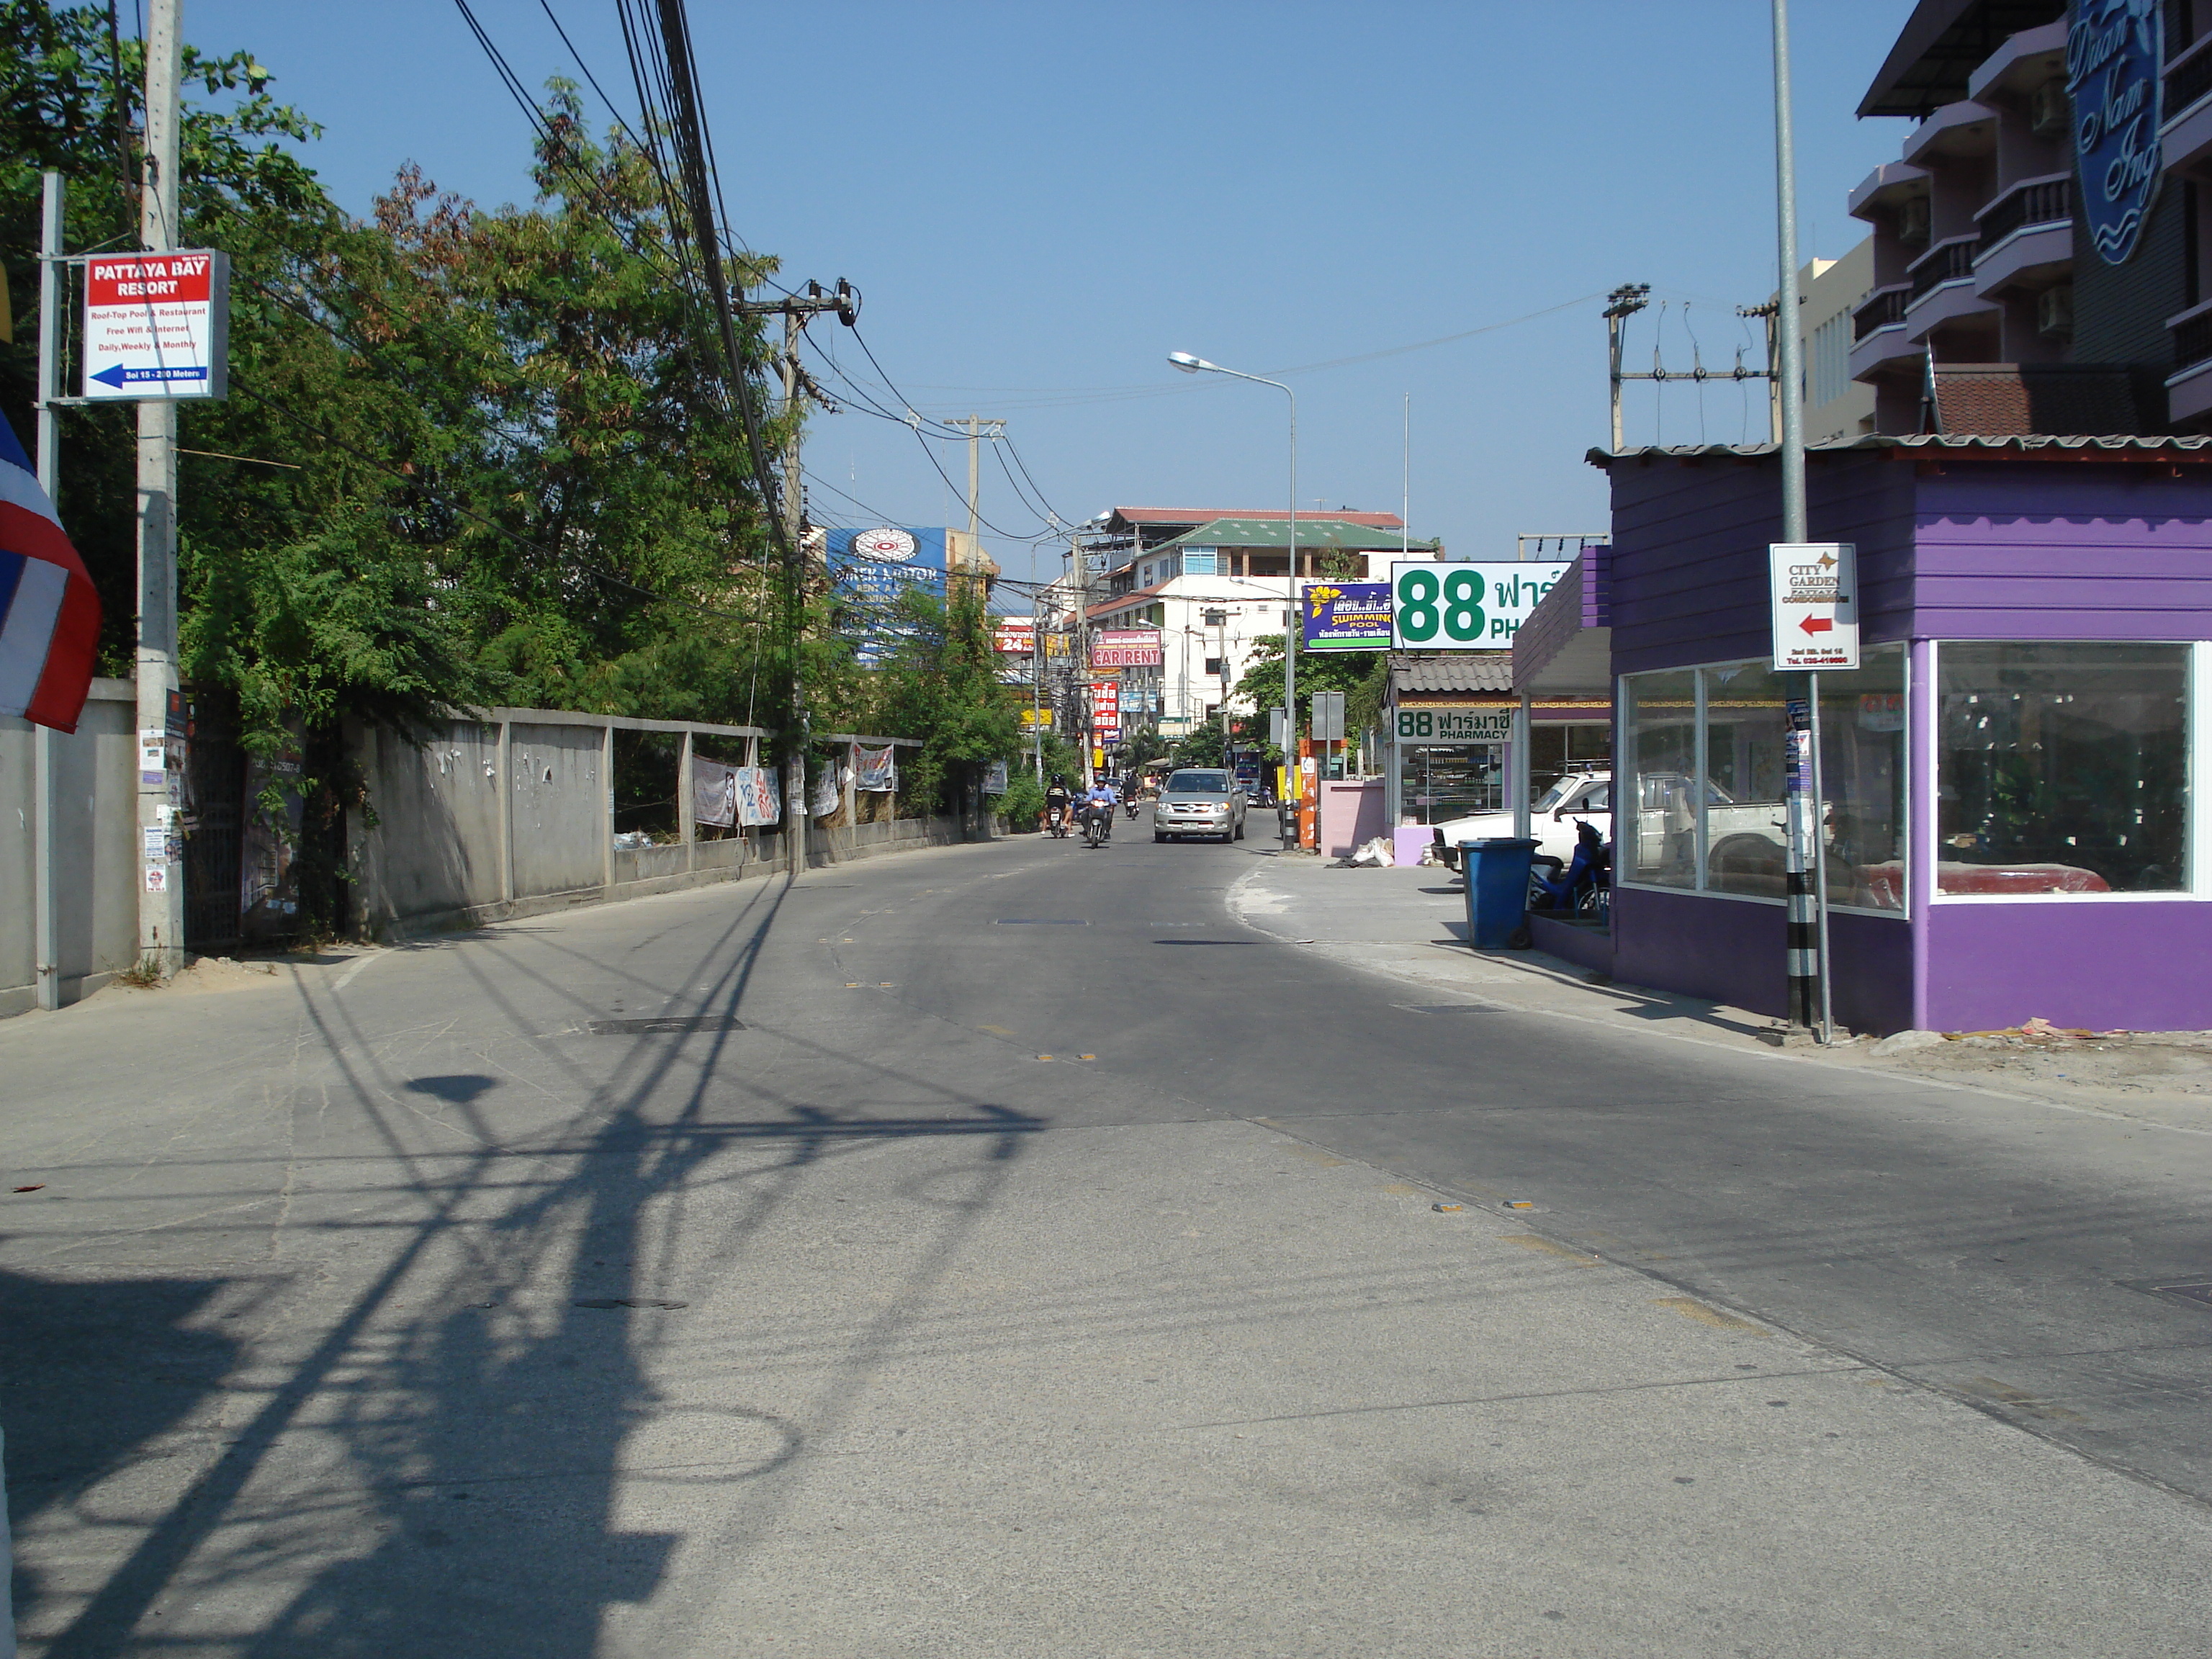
column 1465, row 607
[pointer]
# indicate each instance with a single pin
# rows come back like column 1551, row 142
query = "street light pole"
column 1190, row 365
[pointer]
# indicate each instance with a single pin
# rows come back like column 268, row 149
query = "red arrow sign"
column 1817, row 625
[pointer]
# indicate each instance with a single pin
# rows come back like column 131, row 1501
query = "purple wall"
column 2071, row 551
column 2145, row 965
column 1731, row 951
column 1688, row 570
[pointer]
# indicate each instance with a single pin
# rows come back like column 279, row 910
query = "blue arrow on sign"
column 117, row 375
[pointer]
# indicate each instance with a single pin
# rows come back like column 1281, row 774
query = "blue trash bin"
column 1497, row 888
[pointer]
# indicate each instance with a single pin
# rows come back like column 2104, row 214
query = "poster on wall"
column 878, row 771
column 714, row 793
column 872, row 572
column 756, row 787
column 1346, row 616
column 1475, row 606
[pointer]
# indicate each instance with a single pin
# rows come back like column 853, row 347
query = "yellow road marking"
column 995, row 1030
column 1690, row 1308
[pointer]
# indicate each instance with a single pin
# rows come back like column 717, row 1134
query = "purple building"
column 2010, row 829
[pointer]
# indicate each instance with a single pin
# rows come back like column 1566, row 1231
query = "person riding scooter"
column 1059, row 806
column 1100, row 800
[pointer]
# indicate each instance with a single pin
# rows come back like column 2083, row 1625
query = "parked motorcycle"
column 1582, row 887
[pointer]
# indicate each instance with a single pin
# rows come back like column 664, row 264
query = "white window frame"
column 2196, row 750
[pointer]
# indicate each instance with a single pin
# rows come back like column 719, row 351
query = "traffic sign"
column 1814, row 588
column 1467, row 607
column 156, row 325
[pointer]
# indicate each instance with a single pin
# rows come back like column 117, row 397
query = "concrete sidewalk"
column 1409, row 924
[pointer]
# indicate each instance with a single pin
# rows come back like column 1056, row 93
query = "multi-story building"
column 2038, row 244
column 1215, row 583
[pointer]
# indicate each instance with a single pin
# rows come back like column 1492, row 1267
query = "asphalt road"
column 575, row 1288
column 1998, row 1250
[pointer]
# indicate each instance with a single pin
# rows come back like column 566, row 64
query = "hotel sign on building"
column 2115, row 65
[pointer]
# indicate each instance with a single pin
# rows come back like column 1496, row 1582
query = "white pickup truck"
column 1747, row 833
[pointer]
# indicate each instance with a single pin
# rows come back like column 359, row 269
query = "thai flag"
column 49, row 613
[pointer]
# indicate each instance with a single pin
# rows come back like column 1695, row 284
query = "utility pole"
column 48, row 968
column 1625, row 302
column 797, row 310
column 1806, row 867
column 1079, row 670
column 161, row 898
column 975, row 423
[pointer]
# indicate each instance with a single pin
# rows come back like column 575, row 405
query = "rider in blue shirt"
column 1100, row 798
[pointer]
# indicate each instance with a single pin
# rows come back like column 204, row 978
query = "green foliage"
column 1020, row 805
column 943, row 686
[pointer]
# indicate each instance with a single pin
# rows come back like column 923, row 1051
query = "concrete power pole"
column 161, row 898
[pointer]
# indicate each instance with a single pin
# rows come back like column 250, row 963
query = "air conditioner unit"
column 1912, row 221
column 2054, row 312
column 2049, row 111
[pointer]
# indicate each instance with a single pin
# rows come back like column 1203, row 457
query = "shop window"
column 1659, row 723
column 1440, row 781
column 1556, row 749
column 1736, row 811
column 2062, row 768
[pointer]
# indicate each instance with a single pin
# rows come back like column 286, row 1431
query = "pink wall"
column 1351, row 812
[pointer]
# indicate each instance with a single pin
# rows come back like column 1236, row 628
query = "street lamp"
column 1191, row 365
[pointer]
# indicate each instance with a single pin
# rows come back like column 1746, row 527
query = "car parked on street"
column 1200, row 801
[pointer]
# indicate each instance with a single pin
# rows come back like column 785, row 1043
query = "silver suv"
column 1200, row 801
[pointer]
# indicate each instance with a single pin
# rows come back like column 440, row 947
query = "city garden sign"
column 2115, row 58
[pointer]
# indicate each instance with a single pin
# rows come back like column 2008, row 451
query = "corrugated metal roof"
column 1312, row 532
column 1202, row 514
column 2193, row 446
column 1451, row 671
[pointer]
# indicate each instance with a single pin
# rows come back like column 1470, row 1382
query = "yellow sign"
column 1037, row 717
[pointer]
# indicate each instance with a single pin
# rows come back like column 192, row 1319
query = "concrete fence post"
column 607, row 808
column 687, row 824
column 503, row 773
column 852, row 799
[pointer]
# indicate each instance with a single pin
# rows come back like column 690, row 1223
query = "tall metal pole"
column 1807, row 865
column 47, row 899
column 160, row 898
column 1292, row 626
column 794, row 519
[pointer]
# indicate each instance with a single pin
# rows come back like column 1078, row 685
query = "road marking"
column 1533, row 1242
column 1690, row 1308
column 354, row 972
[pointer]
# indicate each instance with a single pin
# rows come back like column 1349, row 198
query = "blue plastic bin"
column 1497, row 888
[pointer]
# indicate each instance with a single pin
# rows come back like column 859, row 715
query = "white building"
column 1214, row 584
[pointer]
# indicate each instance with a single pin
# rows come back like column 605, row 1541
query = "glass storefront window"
column 2062, row 768
column 1738, row 807
column 1557, row 748
column 1440, row 781
column 1747, row 727
column 1659, row 724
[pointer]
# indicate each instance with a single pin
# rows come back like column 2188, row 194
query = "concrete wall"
column 96, row 821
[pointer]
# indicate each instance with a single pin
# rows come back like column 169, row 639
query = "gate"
column 215, row 822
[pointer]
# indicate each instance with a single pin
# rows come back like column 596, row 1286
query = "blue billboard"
column 2115, row 64
column 870, row 572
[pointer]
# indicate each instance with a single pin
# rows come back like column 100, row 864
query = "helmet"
column 1059, row 778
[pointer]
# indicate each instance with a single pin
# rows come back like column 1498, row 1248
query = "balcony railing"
column 2188, row 79
column 2043, row 202
column 1883, row 310
column 2193, row 340
column 1948, row 262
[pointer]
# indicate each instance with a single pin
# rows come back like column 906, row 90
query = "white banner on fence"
column 714, row 793
column 756, row 787
column 878, row 772
column 829, row 791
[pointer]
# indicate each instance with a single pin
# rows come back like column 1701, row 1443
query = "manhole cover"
column 1239, row 942
column 1039, row 921
column 1448, row 1008
column 665, row 1023
column 2199, row 1292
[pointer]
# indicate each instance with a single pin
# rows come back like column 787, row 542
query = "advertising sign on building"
column 157, row 325
column 1455, row 725
column 1127, row 647
column 1467, row 607
column 871, row 573
column 1814, row 588
column 1015, row 634
column 2115, row 74
column 1346, row 616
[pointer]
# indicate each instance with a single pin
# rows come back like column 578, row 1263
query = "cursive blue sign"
column 2115, row 56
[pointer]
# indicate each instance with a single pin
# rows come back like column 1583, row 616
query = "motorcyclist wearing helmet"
column 1059, row 801
column 1101, row 799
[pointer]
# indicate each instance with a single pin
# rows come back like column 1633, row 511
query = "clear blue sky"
column 1040, row 200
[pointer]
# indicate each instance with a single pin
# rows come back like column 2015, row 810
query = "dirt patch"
column 2162, row 1075
column 203, row 974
